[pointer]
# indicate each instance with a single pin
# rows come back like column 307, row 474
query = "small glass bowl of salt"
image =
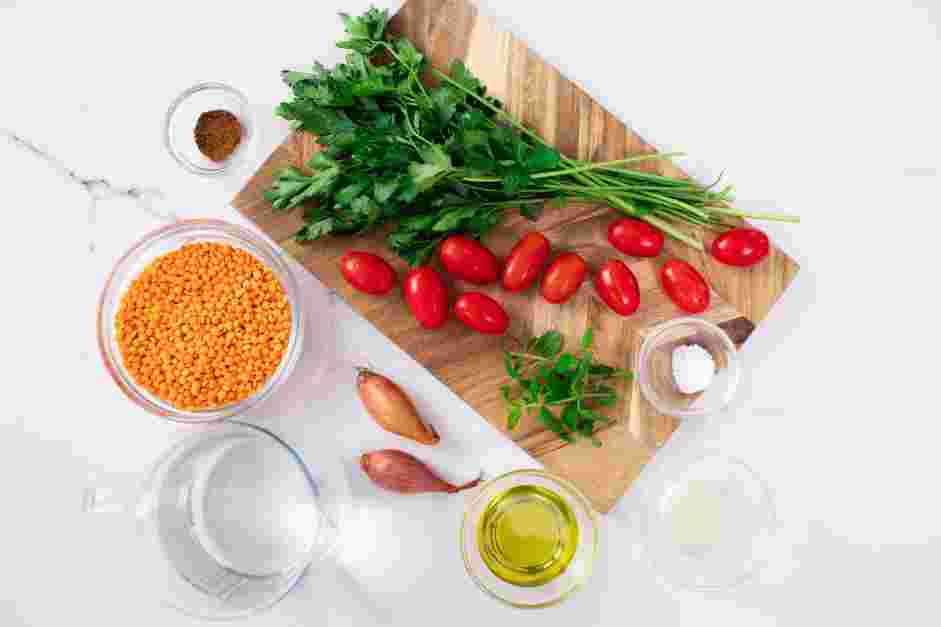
column 688, row 367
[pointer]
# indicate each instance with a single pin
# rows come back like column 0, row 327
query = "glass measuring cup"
column 229, row 520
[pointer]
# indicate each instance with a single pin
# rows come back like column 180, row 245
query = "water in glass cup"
column 234, row 517
column 240, row 504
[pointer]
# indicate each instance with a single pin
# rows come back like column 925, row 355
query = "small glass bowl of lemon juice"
column 710, row 526
column 529, row 539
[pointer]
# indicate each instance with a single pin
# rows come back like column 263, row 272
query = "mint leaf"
column 584, row 364
column 560, row 380
column 558, row 389
column 549, row 344
column 570, row 416
column 587, row 338
column 566, row 362
column 550, row 422
column 514, row 416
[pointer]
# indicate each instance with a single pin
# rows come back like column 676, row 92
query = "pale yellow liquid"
column 527, row 536
column 695, row 516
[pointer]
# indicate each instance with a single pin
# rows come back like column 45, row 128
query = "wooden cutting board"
column 471, row 364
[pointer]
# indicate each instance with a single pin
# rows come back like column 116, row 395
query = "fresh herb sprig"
column 562, row 389
column 447, row 159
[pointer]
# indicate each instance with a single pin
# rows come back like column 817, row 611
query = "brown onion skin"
column 397, row 471
column 392, row 409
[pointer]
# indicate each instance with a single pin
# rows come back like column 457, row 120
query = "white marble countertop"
column 826, row 109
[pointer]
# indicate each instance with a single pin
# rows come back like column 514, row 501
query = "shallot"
column 391, row 408
column 398, row 471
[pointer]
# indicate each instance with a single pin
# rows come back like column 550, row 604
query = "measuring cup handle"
column 120, row 498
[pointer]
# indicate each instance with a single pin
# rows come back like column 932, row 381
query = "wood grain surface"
column 471, row 364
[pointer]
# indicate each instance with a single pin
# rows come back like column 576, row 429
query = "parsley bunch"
column 563, row 390
column 444, row 159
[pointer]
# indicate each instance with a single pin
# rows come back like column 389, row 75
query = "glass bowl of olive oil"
column 529, row 539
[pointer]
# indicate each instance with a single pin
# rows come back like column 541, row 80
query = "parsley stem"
column 503, row 113
column 759, row 215
column 589, row 175
column 407, row 141
column 605, row 165
column 588, row 167
column 411, row 70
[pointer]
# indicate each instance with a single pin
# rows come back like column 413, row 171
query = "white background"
column 828, row 109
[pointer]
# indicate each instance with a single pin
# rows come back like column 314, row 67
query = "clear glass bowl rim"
column 572, row 491
column 771, row 526
column 735, row 366
column 271, row 257
column 245, row 119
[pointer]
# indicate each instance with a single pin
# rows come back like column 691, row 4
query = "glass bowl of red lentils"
column 200, row 321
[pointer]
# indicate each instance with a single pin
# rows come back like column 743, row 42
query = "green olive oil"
column 527, row 536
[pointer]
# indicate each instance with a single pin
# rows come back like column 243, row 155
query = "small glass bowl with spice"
column 200, row 320
column 208, row 129
column 688, row 367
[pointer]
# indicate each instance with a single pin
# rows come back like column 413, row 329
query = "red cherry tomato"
column 685, row 286
column 427, row 297
column 481, row 313
column 617, row 286
column 468, row 259
column 367, row 272
column 635, row 237
column 741, row 247
column 525, row 262
column 563, row 278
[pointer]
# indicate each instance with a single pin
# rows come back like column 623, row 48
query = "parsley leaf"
column 532, row 211
column 408, row 148
column 543, row 158
column 384, row 190
column 463, row 77
column 316, row 230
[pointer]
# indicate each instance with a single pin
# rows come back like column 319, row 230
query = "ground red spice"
column 217, row 134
